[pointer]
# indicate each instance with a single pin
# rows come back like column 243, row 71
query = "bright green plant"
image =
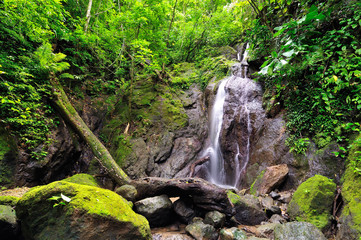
column 60, row 200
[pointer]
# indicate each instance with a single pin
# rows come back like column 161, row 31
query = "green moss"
column 256, row 183
column 9, row 200
column 312, row 201
column 82, row 178
column 84, row 200
column 351, row 194
column 234, row 198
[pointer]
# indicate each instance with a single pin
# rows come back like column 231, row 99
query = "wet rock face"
column 169, row 153
column 243, row 115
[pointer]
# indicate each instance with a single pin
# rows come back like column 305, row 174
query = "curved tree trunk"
column 72, row 117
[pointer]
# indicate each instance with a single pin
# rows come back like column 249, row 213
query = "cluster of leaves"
column 314, row 66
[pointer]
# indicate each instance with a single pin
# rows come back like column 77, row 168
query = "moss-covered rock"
column 248, row 209
column 82, row 178
column 9, row 200
column 92, row 213
column 312, row 201
column 350, row 218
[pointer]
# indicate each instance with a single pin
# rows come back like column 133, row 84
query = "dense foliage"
column 313, row 65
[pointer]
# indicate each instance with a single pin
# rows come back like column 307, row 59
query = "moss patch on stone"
column 82, row 178
column 256, row 183
column 351, row 193
column 37, row 212
column 312, row 201
column 9, row 200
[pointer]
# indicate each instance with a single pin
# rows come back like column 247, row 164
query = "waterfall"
column 235, row 96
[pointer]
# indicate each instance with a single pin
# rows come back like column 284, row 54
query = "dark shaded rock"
column 312, row 201
column 156, row 209
column 90, row 214
column 298, row 231
column 232, row 234
column 8, row 155
column 184, row 209
column 215, row 218
column 273, row 177
column 201, row 231
column 9, row 228
column 248, row 209
column 128, row 192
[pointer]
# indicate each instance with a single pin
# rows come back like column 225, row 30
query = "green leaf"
column 289, row 53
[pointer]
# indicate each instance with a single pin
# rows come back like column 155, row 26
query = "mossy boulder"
column 350, row 218
column 82, row 178
column 9, row 200
column 92, row 213
column 312, row 201
column 248, row 209
column 8, row 225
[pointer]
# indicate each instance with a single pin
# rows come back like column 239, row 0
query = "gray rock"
column 200, row 231
column 184, row 210
column 285, row 197
column 298, row 231
column 232, row 234
column 128, row 192
column 215, row 218
column 274, row 195
column 157, row 210
column 9, row 228
column 171, row 236
column 266, row 230
column 276, row 218
column 249, row 210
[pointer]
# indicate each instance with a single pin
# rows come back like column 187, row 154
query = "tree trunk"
column 88, row 15
column 72, row 117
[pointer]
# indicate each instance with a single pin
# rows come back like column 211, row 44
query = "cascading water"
column 233, row 105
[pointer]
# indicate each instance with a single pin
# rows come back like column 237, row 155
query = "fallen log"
column 205, row 195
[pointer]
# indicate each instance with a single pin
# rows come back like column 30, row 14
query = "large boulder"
column 157, row 210
column 91, row 213
column 82, row 178
column 312, row 201
column 273, row 177
column 248, row 209
column 350, row 219
column 297, row 231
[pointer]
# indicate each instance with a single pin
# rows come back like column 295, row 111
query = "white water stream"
column 216, row 169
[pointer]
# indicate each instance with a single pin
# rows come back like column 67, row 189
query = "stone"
column 201, row 231
column 273, row 210
column 276, row 218
column 9, row 227
column 266, row 230
column 248, row 209
column 171, row 236
column 274, row 195
column 184, row 210
column 312, row 201
column 298, row 231
column 157, row 210
column 215, row 218
column 128, row 192
column 91, row 213
column 273, row 177
column 285, row 197
column 232, row 234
